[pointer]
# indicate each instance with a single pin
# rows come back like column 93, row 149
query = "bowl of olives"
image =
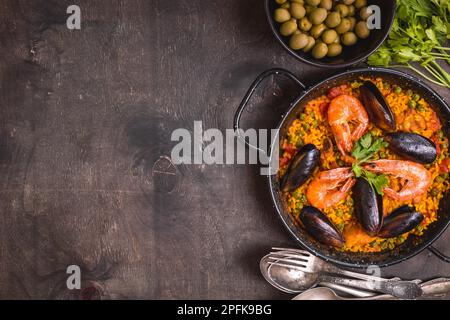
column 329, row 33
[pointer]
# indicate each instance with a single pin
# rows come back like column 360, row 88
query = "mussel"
column 301, row 168
column 412, row 146
column 377, row 107
column 400, row 221
column 318, row 225
column 368, row 206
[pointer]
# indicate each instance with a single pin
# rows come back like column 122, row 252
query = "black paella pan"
column 414, row 244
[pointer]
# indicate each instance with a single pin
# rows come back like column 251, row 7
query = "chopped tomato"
column 323, row 108
column 435, row 139
column 444, row 167
column 434, row 124
column 336, row 92
column 290, row 149
column 284, row 161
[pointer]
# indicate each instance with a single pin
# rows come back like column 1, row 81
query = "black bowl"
column 350, row 55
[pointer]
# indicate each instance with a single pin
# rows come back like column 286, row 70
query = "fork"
column 302, row 260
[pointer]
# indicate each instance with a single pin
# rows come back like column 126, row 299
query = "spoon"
column 323, row 293
column 267, row 270
column 299, row 281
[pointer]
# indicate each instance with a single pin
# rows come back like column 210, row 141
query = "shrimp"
column 343, row 111
column 330, row 187
column 418, row 179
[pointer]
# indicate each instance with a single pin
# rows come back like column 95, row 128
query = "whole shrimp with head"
column 418, row 178
column 330, row 187
column 348, row 121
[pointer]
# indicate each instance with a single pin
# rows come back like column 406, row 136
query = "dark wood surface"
column 85, row 124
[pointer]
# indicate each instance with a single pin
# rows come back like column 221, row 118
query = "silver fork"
column 302, row 260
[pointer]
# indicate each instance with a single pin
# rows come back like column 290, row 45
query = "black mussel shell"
column 412, row 146
column 400, row 221
column 377, row 107
column 318, row 225
column 301, row 168
column 368, row 205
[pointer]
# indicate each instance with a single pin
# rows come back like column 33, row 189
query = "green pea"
column 398, row 90
column 409, row 92
column 412, row 104
column 416, row 97
column 282, row 15
column 420, row 107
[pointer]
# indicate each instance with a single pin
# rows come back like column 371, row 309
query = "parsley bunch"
column 363, row 150
column 418, row 39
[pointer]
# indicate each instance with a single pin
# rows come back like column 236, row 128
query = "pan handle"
column 249, row 94
column 439, row 254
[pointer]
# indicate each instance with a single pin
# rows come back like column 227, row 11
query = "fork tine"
column 274, row 263
column 298, row 251
column 292, row 256
column 293, row 262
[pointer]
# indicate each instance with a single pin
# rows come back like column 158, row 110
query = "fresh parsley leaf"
column 366, row 147
column 358, row 170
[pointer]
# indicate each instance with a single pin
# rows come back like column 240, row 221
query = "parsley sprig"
column 363, row 150
column 418, row 40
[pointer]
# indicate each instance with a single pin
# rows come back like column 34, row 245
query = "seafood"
column 301, row 167
column 412, row 146
column 346, row 110
column 318, row 225
column 400, row 221
column 376, row 106
column 368, row 206
column 417, row 177
column 330, row 187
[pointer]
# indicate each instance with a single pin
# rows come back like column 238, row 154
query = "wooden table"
column 86, row 118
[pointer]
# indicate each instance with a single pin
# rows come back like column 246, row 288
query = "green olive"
column 334, row 50
column 338, row 40
column 365, row 13
column 361, row 30
column 280, row 1
column 348, row 2
column 288, row 28
column 326, row 4
column 314, row 3
column 298, row 41
column 310, row 45
column 351, row 10
column 342, row 9
column 344, row 26
column 286, row 5
column 318, row 15
column 316, row 31
column 297, row 10
column 304, row 24
column 329, row 36
column 282, row 15
column 360, row 3
column 299, row 1
column 333, row 20
column 320, row 50
column 349, row 38
column 309, row 9
column 352, row 22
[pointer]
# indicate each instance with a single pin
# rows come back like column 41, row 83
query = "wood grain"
column 85, row 124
